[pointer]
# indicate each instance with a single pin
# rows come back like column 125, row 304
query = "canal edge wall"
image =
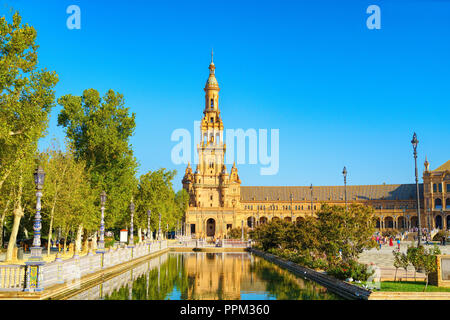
column 66, row 290
column 341, row 288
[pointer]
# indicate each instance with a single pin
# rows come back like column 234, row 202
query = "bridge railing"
column 12, row 277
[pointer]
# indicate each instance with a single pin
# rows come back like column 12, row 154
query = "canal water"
column 212, row 276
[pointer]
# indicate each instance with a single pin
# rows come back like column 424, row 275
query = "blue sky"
column 339, row 93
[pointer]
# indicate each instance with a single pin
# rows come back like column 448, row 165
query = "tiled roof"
column 445, row 166
column 327, row 193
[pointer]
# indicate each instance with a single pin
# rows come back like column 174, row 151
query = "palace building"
column 218, row 202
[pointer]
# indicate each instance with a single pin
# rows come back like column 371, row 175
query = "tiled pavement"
column 384, row 259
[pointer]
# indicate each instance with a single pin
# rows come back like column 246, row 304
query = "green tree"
column 397, row 262
column 67, row 194
column 414, row 255
column 99, row 130
column 345, row 233
column 27, row 96
column 155, row 192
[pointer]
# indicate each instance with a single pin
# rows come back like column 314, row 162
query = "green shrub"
column 352, row 269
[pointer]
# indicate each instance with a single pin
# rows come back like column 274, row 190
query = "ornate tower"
column 208, row 186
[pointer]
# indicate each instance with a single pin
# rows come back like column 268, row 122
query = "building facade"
column 218, row 202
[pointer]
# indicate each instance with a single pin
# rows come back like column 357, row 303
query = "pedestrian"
column 398, row 244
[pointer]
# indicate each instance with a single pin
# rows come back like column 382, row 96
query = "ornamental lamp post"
column 344, row 173
column 159, row 228
column 101, row 243
column 414, row 143
column 35, row 262
column 149, row 232
column 131, row 239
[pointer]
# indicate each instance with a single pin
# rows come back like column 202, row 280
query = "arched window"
column 438, row 203
column 434, row 187
column 212, row 103
column 447, row 203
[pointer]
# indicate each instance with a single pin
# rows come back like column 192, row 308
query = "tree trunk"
column 50, row 233
column 426, row 283
column 94, row 241
column 65, row 241
column 13, row 237
column 395, row 276
column 78, row 241
column 18, row 213
column 2, row 221
column 86, row 242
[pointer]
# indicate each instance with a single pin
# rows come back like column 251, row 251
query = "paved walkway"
column 384, row 259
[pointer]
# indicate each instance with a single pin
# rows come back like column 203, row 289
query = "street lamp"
column 159, row 228
column 414, row 143
column 35, row 262
column 149, row 232
column 131, row 239
column 344, row 173
column 101, row 243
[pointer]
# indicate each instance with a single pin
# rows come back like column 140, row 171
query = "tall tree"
column 67, row 194
column 155, row 192
column 99, row 131
column 26, row 98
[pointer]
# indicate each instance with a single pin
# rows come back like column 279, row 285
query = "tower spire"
column 212, row 55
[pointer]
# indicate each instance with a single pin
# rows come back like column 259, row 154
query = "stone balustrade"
column 12, row 277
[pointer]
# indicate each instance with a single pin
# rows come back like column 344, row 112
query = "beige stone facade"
column 218, row 202
column 437, row 195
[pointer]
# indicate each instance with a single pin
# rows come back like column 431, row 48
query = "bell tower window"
column 212, row 103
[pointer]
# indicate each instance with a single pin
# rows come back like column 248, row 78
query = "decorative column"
column 35, row 262
column 344, row 173
column 131, row 238
column 101, row 243
column 149, row 231
column 414, row 143
column 159, row 228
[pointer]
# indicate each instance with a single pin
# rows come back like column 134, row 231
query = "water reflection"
column 213, row 276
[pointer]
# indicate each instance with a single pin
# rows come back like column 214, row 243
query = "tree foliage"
column 99, row 130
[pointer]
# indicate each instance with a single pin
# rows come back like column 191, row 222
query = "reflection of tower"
column 217, row 275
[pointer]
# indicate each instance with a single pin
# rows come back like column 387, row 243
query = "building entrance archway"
column 210, row 227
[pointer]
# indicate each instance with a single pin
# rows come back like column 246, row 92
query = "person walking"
column 398, row 244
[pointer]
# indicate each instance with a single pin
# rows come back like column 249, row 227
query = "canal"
column 212, row 276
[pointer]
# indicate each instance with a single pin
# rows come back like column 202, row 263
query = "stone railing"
column 12, row 277
column 198, row 243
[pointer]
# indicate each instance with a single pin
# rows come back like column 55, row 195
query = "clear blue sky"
column 339, row 93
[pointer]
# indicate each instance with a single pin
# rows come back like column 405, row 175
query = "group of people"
column 387, row 240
